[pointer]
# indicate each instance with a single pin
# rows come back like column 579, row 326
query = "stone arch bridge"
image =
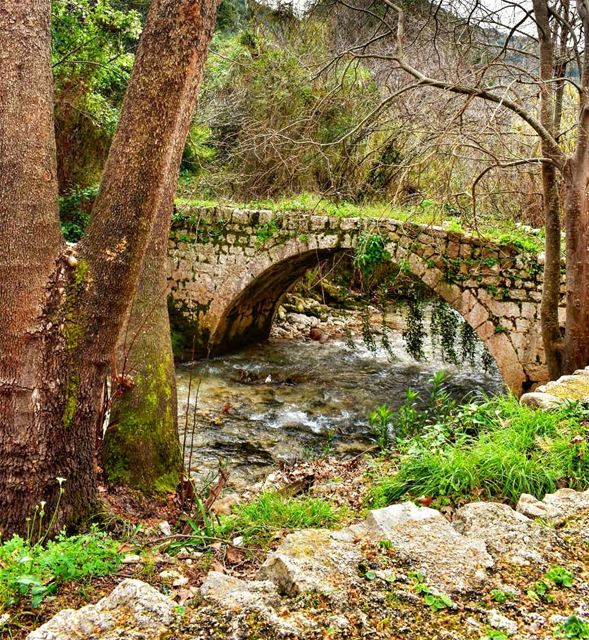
column 230, row 267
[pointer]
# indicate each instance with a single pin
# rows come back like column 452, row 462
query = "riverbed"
column 290, row 399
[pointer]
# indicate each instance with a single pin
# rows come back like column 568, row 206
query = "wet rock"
column 508, row 535
column 425, row 541
column 313, row 560
column 133, row 611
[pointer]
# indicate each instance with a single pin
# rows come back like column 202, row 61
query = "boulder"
column 313, row 560
column 508, row 534
column 243, row 597
column 540, row 400
column 133, row 611
column 567, row 502
column 426, row 542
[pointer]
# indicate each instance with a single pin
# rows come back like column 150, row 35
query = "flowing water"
column 285, row 400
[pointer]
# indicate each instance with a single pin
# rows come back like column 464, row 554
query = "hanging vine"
column 415, row 333
column 444, row 329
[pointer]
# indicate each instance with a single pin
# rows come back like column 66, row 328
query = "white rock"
column 540, row 400
column 509, row 535
column 236, row 594
column 531, row 507
column 243, row 596
column 567, row 502
column 131, row 559
column 313, row 560
column 426, row 542
column 134, row 609
column 165, row 528
column 384, row 520
column 501, row 622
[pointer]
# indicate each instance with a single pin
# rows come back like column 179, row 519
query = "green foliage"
column 415, row 333
column 500, row 596
column 573, row 628
column 415, row 415
column 92, row 55
column 34, row 571
column 265, row 231
column 370, row 252
column 435, row 600
column 493, row 634
column 74, row 212
column 380, row 425
column 560, row 576
column 496, row 450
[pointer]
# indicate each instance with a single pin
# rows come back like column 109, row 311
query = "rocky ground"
column 484, row 570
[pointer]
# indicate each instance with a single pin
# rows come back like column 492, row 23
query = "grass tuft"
column 494, row 451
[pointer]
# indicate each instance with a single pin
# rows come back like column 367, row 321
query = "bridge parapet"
column 230, row 267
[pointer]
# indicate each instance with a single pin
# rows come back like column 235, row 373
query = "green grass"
column 495, row 451
column 271, row 512
column 500, row 230
column 33, row 571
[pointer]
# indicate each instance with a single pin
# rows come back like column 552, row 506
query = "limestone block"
column 425, row 541
column 134, row 609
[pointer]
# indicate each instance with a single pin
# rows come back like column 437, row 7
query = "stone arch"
column 248, row 317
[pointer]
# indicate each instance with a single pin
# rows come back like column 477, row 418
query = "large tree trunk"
column 141, row 446
column 29, row 246
column 576, row 175
column 58, row 331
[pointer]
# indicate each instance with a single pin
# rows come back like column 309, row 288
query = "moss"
column 141, row 447
column 73, row 325
column 71, row 400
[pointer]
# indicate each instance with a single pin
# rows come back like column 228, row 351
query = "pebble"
column 131, row 559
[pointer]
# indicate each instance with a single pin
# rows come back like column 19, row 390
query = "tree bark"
column 29, row 245
column 576, row 175
column 549, row 115
column 141, row 447
column 64, row 313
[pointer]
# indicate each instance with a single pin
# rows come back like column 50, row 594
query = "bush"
column 36, row 570
column 497, row 450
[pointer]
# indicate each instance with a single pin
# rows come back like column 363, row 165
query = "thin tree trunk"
column 58, row 332
column 551, row 335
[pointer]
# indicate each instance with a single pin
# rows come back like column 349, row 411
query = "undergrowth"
column 496, row 450
column 34, row 571
column 259, row 520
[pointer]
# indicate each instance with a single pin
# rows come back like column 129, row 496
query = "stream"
column 288, row 399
